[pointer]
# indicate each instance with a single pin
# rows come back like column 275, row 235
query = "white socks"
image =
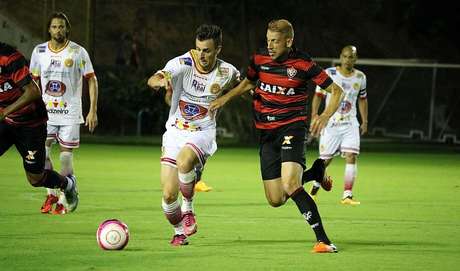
column 351, row 171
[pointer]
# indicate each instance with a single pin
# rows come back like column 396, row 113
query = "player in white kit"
column 60, row 66
column 342, row 134
column 195, row 79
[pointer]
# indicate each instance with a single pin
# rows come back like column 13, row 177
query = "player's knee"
column 275, row 203
column 169, row 197
column 350, row 158
column 184, row 166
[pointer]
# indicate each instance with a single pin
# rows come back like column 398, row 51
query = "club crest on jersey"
column 223, row 71
column 345, row 107
column 356, row 86
column 191, row 111
column 55, row 88
column 277, row 89
column 68, row 62
column 291, row 72
column 215, row 88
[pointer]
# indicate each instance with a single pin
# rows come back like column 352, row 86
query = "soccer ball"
column 112, row 234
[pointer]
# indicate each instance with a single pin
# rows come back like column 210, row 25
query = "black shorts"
column 285, row 144
column 29, row 141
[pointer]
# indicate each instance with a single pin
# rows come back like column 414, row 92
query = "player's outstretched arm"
column 321, row 121
column 31, row 93
column 91, row 118
column 160, row 80
column 244, row 86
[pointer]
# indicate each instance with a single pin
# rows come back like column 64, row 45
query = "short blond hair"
column 282, row 26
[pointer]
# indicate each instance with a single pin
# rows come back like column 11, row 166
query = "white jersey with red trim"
column 61, row 77
column 193, row 91
column 353, row 86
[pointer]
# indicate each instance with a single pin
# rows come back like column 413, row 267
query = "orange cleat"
column 48, row 204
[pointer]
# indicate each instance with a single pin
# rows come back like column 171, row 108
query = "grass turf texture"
column 409, row 217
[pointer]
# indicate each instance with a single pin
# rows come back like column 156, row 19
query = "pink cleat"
column 48, row 204
column 179, row 240
column 189, row 222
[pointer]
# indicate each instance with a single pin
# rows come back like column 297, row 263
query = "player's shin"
column 309, row 211
column 66, row 159
column 187, row 183
column 173, row 214
column 349, row 179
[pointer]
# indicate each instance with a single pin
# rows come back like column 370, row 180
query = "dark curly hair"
column 210, row 31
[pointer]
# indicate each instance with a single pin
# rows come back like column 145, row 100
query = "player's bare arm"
column 91, row 118
column 31, row 93
column 321, row 121
column 362, row 104
column 315, row 103
column 243, row 87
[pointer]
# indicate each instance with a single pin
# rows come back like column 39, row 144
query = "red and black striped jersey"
column 14, row 74
column 281, row 94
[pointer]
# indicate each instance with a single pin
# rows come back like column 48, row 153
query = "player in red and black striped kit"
column 23, row 123
column 279, row 76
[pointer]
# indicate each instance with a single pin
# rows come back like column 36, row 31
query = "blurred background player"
column 59, row 65
column 195, row 79
column 342, row 133
column 23, row 124
column 200, row 185
column 279, row 74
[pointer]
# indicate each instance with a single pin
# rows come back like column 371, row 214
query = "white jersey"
column 61, row 76
column 353, row 87
column 194, row 91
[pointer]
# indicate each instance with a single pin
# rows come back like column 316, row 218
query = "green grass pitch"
column 409, row 218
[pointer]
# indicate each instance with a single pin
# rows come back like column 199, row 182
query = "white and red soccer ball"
column 112, row 234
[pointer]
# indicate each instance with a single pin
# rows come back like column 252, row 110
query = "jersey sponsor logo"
column 55, row 88
column 277, row 89
column 346, row 85
column 68, row 62
column 333, row 72
column 56, row 63
column 192, row 111
column 57, row 107
column 198, row 86
column 264, row 68
column 345, row 107
column 5, row 87
column 215, row 88
column 41, row 49
column 291, row 72
column 185, row 61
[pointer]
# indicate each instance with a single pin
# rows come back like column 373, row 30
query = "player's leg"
column 200, row 185
column 292, row 168
column 326, row 181
column 189, row 157
column 350, row 149
column 170, row 202
column 329, row 144
column 30, row 144
column 68, row 137
column 52, row 195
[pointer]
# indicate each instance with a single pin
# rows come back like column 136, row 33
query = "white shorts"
column 203, row 143
column 336, row 139
column 68, row 136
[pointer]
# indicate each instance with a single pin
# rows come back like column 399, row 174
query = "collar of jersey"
column 60, row 49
